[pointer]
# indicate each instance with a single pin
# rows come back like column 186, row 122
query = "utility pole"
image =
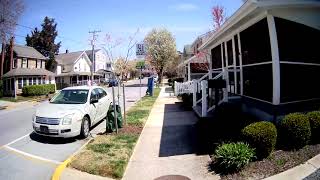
column 93, row 63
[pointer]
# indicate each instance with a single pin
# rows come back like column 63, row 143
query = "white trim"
column 226, row 73
column 234, row 66
column 257, row 64
column 275, row 60
column 257, row 99
column 299, row 63
column 290, row 102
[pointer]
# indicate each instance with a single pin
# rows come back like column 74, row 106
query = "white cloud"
column 184, row 7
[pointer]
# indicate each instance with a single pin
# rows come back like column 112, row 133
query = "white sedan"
column 72, row 112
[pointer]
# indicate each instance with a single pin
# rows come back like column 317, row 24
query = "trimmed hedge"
column 295, row 131
column 187, row 100
column 262, row 136
column 233, row 156
column 1, row 88
column 36, row 90
column 314, row 118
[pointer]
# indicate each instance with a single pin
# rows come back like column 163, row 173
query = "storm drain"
column 172, row 177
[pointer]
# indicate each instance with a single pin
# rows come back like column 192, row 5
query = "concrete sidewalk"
column 167, row 144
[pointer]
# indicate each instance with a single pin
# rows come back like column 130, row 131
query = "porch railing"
column 184, row 87
column 208, row 98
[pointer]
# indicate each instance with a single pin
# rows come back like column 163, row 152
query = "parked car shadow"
column 52, row 140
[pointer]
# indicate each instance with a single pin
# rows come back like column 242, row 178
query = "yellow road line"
column 57, row 173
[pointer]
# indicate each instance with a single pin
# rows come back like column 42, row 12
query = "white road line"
column 31, row 155
column 17, row 139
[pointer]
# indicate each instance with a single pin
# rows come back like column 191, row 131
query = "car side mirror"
column 92, row 101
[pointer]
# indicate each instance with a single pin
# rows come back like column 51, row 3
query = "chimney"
column 67, row 51
column 11, row 52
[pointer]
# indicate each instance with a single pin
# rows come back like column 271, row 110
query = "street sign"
column 140, row 65
column 140, row 50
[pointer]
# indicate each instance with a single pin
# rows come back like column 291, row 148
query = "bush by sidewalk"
column 37, row 90
column 108, row 155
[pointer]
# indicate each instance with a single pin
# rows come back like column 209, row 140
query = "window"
column 49, row 79
column 94, row 94
column 297, row 42
column 24, row 63
column 38, row 64
column 30, row 81
column 257, row 82
column 34, row 82
column 43, row 81
column 216, row 57
column 77, row 96
column 24, row 82
column 15, row 61
column 19, row 83
column 102, row 93
column 108, row 65
column 255, row 43
column 299, row 82
column 39, row 80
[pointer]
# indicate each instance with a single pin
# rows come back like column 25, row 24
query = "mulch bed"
column 131, row 129
column 277, row 162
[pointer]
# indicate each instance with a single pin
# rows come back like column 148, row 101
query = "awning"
column 193, row 59
column 28, row 72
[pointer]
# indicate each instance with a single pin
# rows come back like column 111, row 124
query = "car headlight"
column 34, row 118
column 67, row 120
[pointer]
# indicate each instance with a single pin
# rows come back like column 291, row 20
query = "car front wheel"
column 85, row 127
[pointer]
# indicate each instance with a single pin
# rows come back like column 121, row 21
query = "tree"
column 161, row 49
column 10, row 11
column 218, row 16
column 111, row 45
column 44, row 41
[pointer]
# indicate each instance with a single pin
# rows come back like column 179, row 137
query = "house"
column 26, row 68
column 73, row 68
column 266, row 57
column 102, row 63
column 194, row 63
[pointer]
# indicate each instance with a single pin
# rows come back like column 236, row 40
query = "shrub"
column 36, row 90
column 233, row 156
column 295, row 130
column 1, row 88
column 262, row 136
column 314, row 119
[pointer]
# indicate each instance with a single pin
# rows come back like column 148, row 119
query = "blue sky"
column 121, row 18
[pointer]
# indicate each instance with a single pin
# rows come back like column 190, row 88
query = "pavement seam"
column 58, row 171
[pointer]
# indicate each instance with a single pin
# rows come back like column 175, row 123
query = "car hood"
column 51, row 110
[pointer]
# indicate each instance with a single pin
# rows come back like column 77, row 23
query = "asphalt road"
column 25, row 155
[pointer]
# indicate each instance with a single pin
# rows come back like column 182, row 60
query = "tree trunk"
column 2, row 59
column 160, row 74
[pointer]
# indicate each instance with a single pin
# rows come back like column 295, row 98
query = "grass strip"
column 108, row 155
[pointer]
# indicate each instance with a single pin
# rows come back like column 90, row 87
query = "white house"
column 73, row 68
column 101, row 60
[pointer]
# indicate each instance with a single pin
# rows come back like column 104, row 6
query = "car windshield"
column 75, row 96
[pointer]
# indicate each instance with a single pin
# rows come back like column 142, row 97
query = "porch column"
column 226, row 73
column 189, row 72
column 234, row 66
column 240, row 64
column 77, row 79
column 208, row 58
column 275, row 60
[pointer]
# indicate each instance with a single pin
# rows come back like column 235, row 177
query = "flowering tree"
column 161, row 49
column 218, row 16
column 111, row 45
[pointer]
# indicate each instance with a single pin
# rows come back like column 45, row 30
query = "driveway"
column 25, row 155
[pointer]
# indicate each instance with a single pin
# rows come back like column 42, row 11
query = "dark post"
column 124, row 105
column 115, row 110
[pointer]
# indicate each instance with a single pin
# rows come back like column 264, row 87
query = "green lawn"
column 108, row 155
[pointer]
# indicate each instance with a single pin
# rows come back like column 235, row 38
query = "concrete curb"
column 299, row 172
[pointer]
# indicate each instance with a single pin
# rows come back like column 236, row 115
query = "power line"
column 94, row 38
column 62, row 37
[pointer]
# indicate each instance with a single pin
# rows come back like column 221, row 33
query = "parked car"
column 113, row 82
column 72, row 112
